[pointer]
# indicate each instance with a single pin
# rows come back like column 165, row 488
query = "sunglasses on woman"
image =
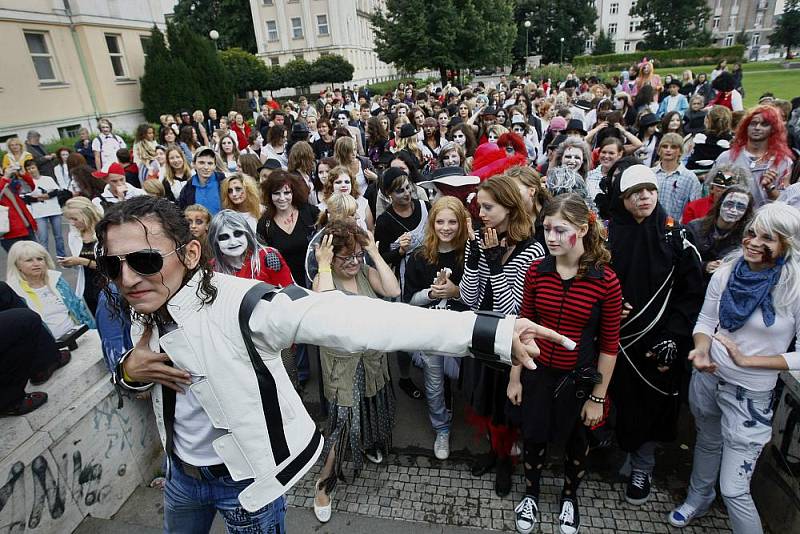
column 145, row 262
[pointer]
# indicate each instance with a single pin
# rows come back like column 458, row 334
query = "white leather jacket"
column 275, row 448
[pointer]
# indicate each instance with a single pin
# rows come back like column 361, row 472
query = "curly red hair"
column 776, row 144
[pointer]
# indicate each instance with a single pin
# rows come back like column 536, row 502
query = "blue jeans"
column 42, row 234
column 190, row 505
column 733, row 425
column 433, row 373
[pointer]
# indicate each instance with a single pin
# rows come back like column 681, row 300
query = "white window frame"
column 590, row 44
column 48, row 55
column 755, row 39
column 612, row 28
column 295, row 28
column 732, row 22
column 626, row 46
column 274, row 30
column 321, row 26
column 119, row 55
column 728, row 40
column 759, row 19
column 613, row 8
column 715, row 22
column 274, row 61
column 633, row 26
column 267, row 2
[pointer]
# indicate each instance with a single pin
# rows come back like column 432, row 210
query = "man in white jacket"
column 235, row 431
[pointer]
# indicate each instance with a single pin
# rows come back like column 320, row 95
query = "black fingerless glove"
column 474, row 255
column 494, row 256
column 665, row 351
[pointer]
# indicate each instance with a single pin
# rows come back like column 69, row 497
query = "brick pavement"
column 417, row 487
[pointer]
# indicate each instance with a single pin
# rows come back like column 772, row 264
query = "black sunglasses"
column 143, row 262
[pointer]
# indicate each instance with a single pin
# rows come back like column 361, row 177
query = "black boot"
column 483, row 464
column 502, row 483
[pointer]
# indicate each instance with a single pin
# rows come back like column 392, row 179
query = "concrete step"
column 64, row 389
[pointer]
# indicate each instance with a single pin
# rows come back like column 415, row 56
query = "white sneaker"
column 323, row 513
column 526, row 512
column 441, row 447
column 374, row 455
column 569, row 519
column 683, row 515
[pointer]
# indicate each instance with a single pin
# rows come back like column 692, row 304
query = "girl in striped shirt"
column 575, row 292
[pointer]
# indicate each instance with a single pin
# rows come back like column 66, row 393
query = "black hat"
column 407, row 130
column 648, row 119
column 575, row 125
column 584, row 105
column 724, row 82
column 571, row 83
column 300, row 128
column 389, row 176
column 675, row 81
column 271, row 164
column 489, row 111
column 452, row 176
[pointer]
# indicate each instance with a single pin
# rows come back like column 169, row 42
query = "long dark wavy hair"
column 175, row 226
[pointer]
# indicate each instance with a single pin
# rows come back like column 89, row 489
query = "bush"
column 661, row 58
column 550, row 72
column 332, row 68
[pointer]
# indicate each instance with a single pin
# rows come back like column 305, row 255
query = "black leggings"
column 574, row 463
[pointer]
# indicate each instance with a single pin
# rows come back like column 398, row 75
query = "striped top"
column 586, row 310
column 505, row 282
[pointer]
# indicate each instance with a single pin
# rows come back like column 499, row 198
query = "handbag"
column 5, row 219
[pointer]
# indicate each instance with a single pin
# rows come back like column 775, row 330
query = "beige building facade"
column 66, row 63
column 290, row 29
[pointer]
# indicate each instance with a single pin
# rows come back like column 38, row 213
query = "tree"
column 332, row 68
column 552, row 20
column 673, row 23
column 603, row 44
column 298, row 73
column 186, row 75
column 231, row 18
column 444, row 35
column 245, row 71
column 787, row 29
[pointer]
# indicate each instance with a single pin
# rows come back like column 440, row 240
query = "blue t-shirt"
column 207, row 195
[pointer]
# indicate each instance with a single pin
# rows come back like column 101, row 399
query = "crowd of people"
column 652, row 221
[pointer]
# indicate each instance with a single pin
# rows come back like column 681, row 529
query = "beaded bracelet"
column 598, row 400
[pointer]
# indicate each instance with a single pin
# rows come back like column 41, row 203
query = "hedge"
column 661, row 58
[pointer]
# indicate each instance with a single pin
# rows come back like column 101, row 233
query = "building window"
column 612, row 28
column 728, row 40
column 114, row 44
column 272, row 30
column 732, row 23
column 145, row 40
column 267, row 2
column 715, row 23
column 322, row 25
column 299, row 56
column 592, row 4
column 297, row 28
column 274, row 61
column 633, row 26
column 39, row 49
column 69, row 131
column 613, row 8
column 589, row 44
column 755, row 39
column 626, row 46
column 759, row 19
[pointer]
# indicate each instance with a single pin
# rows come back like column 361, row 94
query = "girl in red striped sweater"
column 575, row 292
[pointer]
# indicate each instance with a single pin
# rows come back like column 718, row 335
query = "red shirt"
column 16, row 224
column 273, row 268
column 585, row 310
column 697, row 209
column 242, row 134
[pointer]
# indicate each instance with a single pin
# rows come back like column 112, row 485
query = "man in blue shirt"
column 204, row 188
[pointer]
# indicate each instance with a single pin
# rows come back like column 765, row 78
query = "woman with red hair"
column 760, row 145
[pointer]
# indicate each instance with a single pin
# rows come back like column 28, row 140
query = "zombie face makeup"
column 232, row 242
column 198, row 223
column 492, row 137
column 760, row 248
column 734, row 207
column 572, row 158
column 236, row 192
column 460, row 138
column 560, row 235
column 342, row 184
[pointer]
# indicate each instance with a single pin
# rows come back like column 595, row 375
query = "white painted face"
column 232, row 242
column 733, row 207
column 572, row 158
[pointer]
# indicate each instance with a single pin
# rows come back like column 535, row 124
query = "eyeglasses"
column 145, row 262
column 730, row 205
column 358, row 257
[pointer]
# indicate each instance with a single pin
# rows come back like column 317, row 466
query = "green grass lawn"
column 784, row 83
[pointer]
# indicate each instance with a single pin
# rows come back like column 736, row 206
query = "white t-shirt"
column 50, row 207
column 107, row 145
column 54, row 313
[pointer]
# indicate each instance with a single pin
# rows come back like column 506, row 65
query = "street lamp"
column 527, row 27
column 561, row 61
column 214, row 35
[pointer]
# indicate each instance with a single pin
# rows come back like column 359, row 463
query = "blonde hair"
column 169, row 173
column 672, row 139
column 252, row 200
column 84, row 210
column 430, row 244
column 15, row 140
column 23, row 250
column 339, row 206
column 154, row 188
column 497, row 130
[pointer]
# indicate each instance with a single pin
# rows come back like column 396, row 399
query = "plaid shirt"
column 676, row 189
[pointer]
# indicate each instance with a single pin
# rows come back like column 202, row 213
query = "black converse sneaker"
column 638, row 490
column 526, row 512
column 569, row 518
